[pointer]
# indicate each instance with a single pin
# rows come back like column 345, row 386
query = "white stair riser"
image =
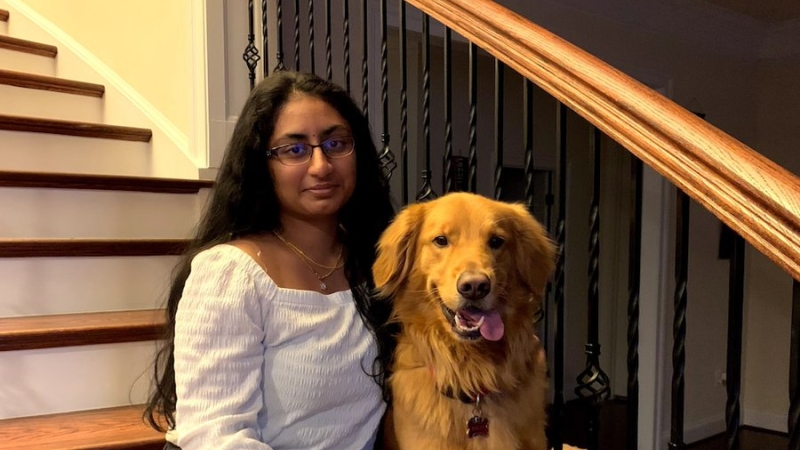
column 39, row 103
column 39, row 286
column 26, row 62
column 58, row 380
column 42, row 152
column 70, row 213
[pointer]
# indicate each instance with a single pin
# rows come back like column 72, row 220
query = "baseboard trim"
column 765, row 421
column 703, row 430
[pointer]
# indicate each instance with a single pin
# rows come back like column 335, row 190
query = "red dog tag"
column 477, row 426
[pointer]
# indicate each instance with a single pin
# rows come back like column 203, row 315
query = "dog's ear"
column 534, row 252
column 396, row 249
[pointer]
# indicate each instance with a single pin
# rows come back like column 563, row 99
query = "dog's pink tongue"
column 492, row 328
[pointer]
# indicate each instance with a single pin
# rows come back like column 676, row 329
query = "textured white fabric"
column 262, row 367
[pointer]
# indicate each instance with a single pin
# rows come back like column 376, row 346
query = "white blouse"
column 262, row 367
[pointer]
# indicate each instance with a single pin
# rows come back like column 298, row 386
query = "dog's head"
column 466, row 263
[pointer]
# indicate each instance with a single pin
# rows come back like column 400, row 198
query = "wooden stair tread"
column 70, row 128
column 107, row 429
column 21, row 45
column 3, row 15
column 68, row 330
column 101, row 182
column 32, row 248
column 45, row 83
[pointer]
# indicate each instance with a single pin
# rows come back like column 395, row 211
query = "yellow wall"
column 147, row 42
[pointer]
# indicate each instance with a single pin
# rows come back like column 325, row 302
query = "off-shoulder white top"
column 263, row 367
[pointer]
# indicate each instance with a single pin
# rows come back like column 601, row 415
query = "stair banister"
column 750, row 193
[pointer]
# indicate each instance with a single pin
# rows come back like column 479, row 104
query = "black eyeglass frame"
column 274, row 151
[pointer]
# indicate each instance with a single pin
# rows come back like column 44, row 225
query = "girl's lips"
column 322, row 189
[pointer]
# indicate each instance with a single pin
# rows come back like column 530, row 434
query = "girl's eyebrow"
column 325, row 132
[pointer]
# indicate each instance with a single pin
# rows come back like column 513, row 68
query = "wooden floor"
column 613, row 431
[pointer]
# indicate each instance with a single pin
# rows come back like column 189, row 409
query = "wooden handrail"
column 750, row 193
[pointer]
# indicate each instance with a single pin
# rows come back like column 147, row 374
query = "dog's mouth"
column 472, row 323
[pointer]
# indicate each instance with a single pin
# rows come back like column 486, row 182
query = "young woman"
column 272, row 334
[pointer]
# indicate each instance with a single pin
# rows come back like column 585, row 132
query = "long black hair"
column 243, row 202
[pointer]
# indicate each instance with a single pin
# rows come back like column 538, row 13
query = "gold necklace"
column 302, row 254
column 322, row 285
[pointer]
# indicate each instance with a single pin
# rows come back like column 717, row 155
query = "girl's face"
column 320, row 187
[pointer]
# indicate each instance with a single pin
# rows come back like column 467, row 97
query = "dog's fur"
column 495, row 241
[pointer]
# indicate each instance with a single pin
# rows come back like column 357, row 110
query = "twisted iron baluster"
column 364, row 66
column 279, row 32
column 499, row 89
column 296, row 34
column 560, row 278
column 679, row 323
column 328, row 52
column 449, row 181
column 634, row 258
column 794, row 371
column 388, row 163
column 311, row 36
column 527, row 137
column 403, row 101
column 473, row 117
column 426, row 192
column 346, row 18
column 250, row 55
column 264, row 41
column 593, row 383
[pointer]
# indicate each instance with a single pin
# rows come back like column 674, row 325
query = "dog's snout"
column 474, row 285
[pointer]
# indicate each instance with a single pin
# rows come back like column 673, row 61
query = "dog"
column 466, row 276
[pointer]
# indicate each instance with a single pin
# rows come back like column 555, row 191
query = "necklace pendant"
column 323, row 286
column 477, row 426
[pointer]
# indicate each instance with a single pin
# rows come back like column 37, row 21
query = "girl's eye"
column 440, row 241
column 496, row 242
column 296, row 149
column 334, row 144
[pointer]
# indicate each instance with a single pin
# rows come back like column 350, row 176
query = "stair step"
column 40, row 248
column 70, row 330
column 106, row 429
column 42, row 82
column 3, row 15
column 101, row 182
column 34, row 48
column 83, row 129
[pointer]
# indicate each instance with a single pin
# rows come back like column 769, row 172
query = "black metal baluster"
column 264, row 36
column 634, row 268
column 499, row 92
column 593, row 383
column 403, row 101
column 364, row 67
column 250, row 55
column 449, row 180
column 279, row 32
column 473, row 117
column 527, row 137
column 679, row 322
column 313, row 55
column 549, row 201
column 733, row 370
column 346, row 17
column 426, row 192
column 388, row 163
column 560, row 278
column 328, row 52
column 296, row 34
column 794, row 371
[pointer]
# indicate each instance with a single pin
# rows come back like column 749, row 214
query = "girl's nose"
column 319, row 164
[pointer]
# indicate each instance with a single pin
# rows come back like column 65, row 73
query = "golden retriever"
column 466, row 276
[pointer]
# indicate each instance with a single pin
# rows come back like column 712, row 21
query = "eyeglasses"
column 300, row 152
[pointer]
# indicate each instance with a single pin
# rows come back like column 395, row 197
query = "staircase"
column 88, row 238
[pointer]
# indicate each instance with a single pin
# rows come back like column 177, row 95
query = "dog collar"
column 461, row 395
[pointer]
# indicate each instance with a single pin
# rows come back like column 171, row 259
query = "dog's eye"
column 496, row 242
column 440, row 241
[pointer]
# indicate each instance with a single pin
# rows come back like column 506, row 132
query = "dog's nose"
column 474, row 285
